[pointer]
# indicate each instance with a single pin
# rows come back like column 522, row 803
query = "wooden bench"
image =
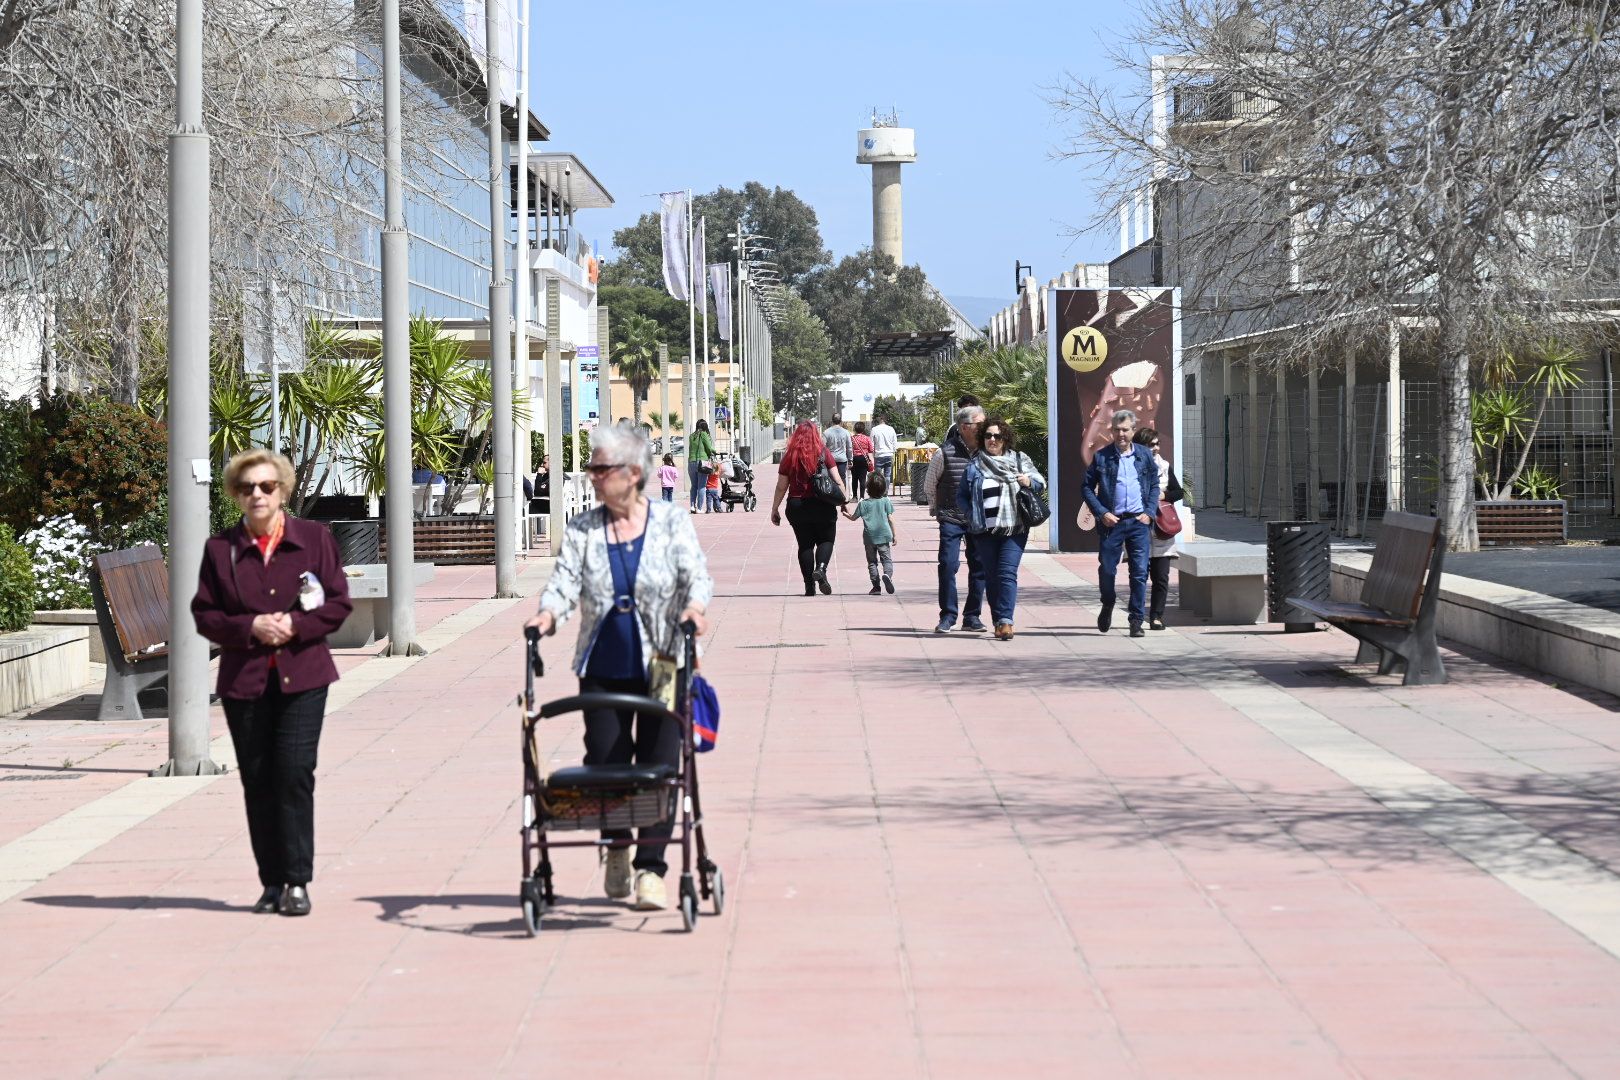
column 1520, row 521
column 1395, row 619
column 465, row 540
column 131, row 593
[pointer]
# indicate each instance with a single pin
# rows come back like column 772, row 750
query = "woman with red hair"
column 814, row 521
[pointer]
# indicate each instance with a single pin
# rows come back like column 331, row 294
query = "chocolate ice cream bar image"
column 1135, row 387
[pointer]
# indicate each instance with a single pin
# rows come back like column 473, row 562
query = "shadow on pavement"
column 418, row 913
column 136, row 903
column 1577, row 812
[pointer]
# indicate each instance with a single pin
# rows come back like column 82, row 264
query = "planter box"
column 1521, row 521
column 447, row 541
column 42, row 662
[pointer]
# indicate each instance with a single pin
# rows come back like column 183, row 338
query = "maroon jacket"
column 236, row 584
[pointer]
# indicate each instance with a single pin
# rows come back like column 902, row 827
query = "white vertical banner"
column 672, row 218
column 720, row 286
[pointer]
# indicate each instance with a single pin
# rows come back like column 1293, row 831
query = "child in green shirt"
column 877, row 520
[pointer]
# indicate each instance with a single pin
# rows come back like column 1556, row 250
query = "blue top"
column 616, row 652
column 1127, row 493
column 874, row 515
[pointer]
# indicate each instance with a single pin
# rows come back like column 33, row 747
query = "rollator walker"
column 591, row 798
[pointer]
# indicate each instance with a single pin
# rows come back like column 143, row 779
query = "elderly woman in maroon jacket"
column 271, row 588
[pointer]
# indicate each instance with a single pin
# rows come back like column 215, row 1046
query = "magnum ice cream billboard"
column 1108, row 349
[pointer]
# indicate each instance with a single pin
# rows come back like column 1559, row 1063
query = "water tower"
column 886, row 146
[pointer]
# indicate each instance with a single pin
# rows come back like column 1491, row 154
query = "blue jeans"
column 1136, row 539
column 1001, row 556
column 669, row 494
column 694, row 475
column 952, row 537
column 885, row 465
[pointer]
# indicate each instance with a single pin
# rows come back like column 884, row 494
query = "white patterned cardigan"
column 674, row 573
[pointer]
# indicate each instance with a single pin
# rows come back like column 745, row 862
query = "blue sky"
column 968, row 76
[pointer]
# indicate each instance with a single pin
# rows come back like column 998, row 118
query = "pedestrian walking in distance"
column 699, row 463
column 668, row 477
column 884, row 444
column 989, row 498
column 876, row 515
column 270, row 590
column 860, row 458
column 814, row 521
column 634, row 571
column 1122, row 490
column 1163, row 548
column 842, row 445
column 944, row 480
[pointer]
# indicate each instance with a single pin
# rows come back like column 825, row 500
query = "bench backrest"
column 136, row 585
column 1400, row 561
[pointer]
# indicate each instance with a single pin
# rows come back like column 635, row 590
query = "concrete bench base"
column 1223, row 581
column 372, row 616
column 76, row 617
column 42, row 662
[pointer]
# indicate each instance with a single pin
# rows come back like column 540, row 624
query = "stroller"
column 589, row 798
column 737, row 486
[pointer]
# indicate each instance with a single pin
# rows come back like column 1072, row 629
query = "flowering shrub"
column 61, row 550
column 16, row 583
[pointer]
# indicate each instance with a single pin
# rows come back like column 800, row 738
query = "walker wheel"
column 534, row 908
column 716, row 882
column 750, row 502
column 689, row 902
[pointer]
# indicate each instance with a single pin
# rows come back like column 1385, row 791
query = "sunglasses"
column 998, row 436
column 266, row 487
column 601, row 470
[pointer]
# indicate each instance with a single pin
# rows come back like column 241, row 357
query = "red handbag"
column 1166, row 523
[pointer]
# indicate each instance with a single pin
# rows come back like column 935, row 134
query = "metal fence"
column 1277, row 457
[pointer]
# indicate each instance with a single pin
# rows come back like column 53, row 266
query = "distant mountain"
column 978, row 308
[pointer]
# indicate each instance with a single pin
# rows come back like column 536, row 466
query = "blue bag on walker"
column 705, row 714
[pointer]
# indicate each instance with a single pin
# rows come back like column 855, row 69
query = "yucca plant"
column 1538, row 483
column 1507, row 419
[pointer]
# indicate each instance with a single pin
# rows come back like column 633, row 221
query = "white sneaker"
column 650, row 892
column 616, row 877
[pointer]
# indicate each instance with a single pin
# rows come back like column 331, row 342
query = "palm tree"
column 635, row 354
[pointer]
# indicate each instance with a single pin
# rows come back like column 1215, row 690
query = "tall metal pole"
column 520, row 347
column 189, row 469
column 691, row 413
column 555, row 425
column 500, row 316
column 396, row 347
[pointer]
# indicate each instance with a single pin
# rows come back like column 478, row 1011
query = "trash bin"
column 357, row 541
column 1297, row 565
column 745, row 454
column 919, row 474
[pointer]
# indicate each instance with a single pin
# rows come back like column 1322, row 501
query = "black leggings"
column 1159, row 575
column 614, row 737
column 858, row 473
column 815, row 526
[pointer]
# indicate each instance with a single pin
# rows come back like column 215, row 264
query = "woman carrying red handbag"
column 1163, row 545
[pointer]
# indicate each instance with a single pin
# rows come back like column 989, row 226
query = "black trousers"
column 1159, row 575
column 276, row 736
column 857, row 479
column 815, row 527
column 619, row 737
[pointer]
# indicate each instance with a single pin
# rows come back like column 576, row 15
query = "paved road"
column 1212, row 852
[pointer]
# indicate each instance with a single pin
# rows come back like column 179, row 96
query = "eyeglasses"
column 266, row 487
column 601, row 470
column 996, row 435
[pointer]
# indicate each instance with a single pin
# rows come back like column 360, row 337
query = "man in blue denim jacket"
column 1124, row 499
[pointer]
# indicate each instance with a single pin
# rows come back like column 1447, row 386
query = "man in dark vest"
column 944, row 478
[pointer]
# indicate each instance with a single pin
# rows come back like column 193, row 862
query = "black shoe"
column 295, row 900
column 269, row 900
column 822, row 582
column 810, row 588
column 877, row 590
column 974, row 626
column 1105, row 618
column 1137, row 631
column 888, row 583
column 945, row 626
column 1156, row 624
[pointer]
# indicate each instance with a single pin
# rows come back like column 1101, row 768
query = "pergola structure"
column 939, row 345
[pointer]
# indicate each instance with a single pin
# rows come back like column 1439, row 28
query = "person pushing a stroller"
column 635, row 571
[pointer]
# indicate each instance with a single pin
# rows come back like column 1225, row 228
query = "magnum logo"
column 1117, row 348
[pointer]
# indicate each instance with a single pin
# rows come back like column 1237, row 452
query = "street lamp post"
column 190, row 471
column 500, row 315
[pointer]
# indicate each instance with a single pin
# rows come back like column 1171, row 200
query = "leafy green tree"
column 801, row 359
column 1010, row 382
column 778, row 213
column 868, row 294
column 653, row 303
column 635, row 354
